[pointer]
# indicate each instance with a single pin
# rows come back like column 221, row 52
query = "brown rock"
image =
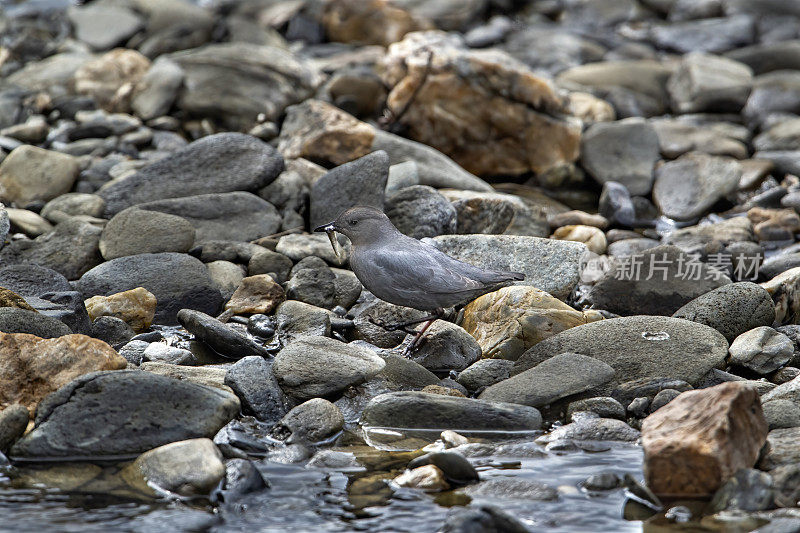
column 256, row 294
column 696, row 442
column 484, row 109
column 593, row 238
column 31, row 367
column 444, row 391
column 785, row 291
column 9, row 298
column 509, row 321
column 571, row 218
column 369, row 22
column 135, row 307
column 111, row 78
column 319, row 131
column 211, row 376
column 774, row 224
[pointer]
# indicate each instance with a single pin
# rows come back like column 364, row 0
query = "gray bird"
column 404, row 271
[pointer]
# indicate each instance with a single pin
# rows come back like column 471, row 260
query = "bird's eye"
column 353, row 222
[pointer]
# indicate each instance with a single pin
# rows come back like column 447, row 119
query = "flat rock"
column 219, row 163
column 231, row 216
column 17, row 320
column 782, row 448
column 103, row 27
column 731, row 309
column 591, row 429
column 700, row 439
column 32, row 280
column 418, row 410
column 134, row 231
column 221, row 338
column 252, row 380
column 638, row 347
column 310, row 422
column 556, row 378
column 124, row 412
column 704, row 82
column 762, row 350
column 312, row 367
column 549, row 265
column 178, row 281
column 30, row 173
column 210, row 376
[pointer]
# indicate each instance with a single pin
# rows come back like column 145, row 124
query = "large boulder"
column 124, row 412
column 638, row 347
column 218, row 163
column 178, row 281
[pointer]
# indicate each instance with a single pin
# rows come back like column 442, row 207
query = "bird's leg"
column 404, row 325
column 413, row 344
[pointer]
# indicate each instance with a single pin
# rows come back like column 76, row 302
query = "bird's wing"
column 424, row 268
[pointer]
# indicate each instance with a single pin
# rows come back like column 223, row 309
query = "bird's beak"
column 327, row 228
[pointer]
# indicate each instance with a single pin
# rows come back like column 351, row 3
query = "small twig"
column 390, row 118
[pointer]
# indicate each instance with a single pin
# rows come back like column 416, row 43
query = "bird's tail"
column 501, row 276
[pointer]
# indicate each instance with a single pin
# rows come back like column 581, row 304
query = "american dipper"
column 404, row 271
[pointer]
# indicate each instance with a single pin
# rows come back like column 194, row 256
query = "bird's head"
column 362, row 225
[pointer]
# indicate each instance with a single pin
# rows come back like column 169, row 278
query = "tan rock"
column 28, row 222
column 444, row 391
column 785, row 291
column 204, row 375
column 484, row 109
column 593, row 238
column 111, row 78
column 31, row 367
column 509, row 321
column 589, row 108
column 135, row 307
column 570, row 218
column 367, row 22
column 774, row 224
column 428, row 478
column 9, row 298
column 30, row 173
column 696, row 442
column 319, row 131
column 256, row 294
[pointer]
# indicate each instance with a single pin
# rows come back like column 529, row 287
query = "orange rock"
column 256, row 294
column 136, row 307
column 9, row 298
column 369, row 22
column 696, row 442
column 32, row 367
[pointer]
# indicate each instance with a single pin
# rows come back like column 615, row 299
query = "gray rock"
column 769, row 56
column 402, row 175
column 71, row 249
column 252, row 380
column 385, row 313
column 418, row 410
column 433, row 167
column 481, row 518
column 761, row 349
column 626, row 247
column 178, row 282
column 554, row 379
column 157, row 90
column 312, row 367
column 163, row 353
column 713, row 35
column 782, row 136
column 347, row 287
column 269, row 262
column 221, row 338
column 295, row 319
column 602, row 406
column 65, row 306
column 785, row 374
column 225, row 276
column 445, row 347
column 654, row 346
column 687, row 187
column 219, row 163
column 782, row 448
column 786, row 482
column 73, row 204
column 189, row 467
column 419, row 211
column 311, row 421
column 5, row 225
column 604, row 481
column 124, row 412
column 14, row 320
column 512, row 489
column 775, row 92
column 103, row 26
column 174, row 25
column 659, row 281
column 13, row 423
column 731, row 309
column 624, row 151
column 781, row 414
column 602, row 429
column 663, row 398
column 232, row 216
column 30, row 173
column 485, row 372
column 315, row 285
column 133, row 351
column 747, row 490
column 135, row 231
column 778, row 264
column 787, row 391
column 549, row 265
column 297, row 246
column 455, row 467
column 359, row 182
column 705, row 82
column 237, row 82
column 112, row 330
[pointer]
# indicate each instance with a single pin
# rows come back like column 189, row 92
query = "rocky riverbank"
column 173, row 337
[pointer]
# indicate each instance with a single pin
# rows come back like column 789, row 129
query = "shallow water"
column 309, row 499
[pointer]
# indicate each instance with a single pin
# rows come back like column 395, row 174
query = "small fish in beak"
column 331, row 231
